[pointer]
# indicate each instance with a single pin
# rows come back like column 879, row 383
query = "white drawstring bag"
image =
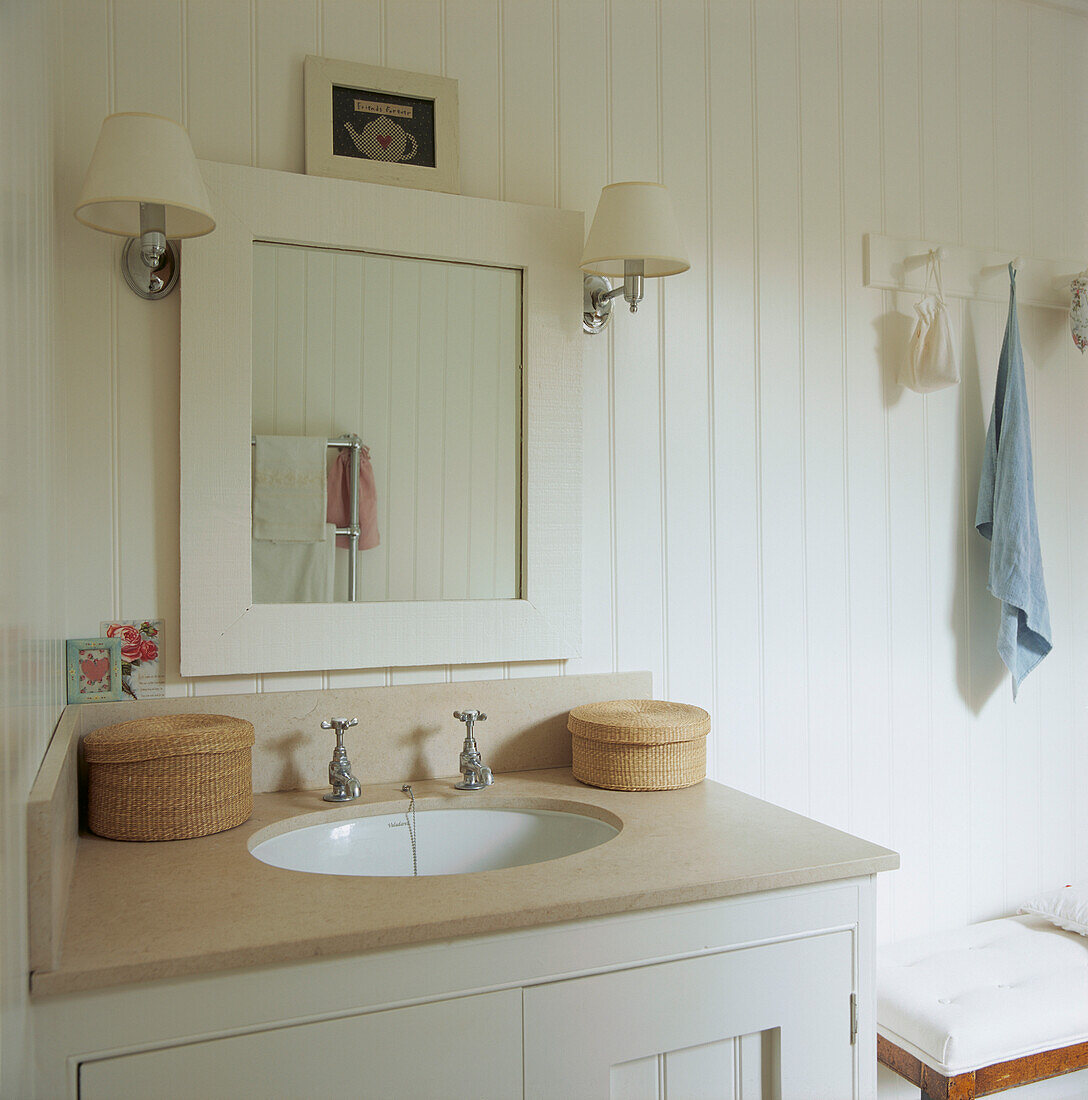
column 930, row 362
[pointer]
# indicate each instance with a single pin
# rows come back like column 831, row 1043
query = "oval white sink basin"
column 448, row 842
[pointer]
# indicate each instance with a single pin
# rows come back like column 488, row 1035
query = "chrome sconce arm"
column 598, row 293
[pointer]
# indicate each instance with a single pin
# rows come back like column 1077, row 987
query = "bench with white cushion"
column 984, row 1008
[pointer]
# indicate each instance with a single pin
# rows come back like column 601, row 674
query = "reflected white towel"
column 295, row 572
column 289, row 488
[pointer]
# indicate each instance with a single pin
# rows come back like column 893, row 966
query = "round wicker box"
column 639, row 744
column 169, row 778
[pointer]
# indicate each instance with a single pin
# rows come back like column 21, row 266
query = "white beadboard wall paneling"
column 1076, row 128
column 414, row 38
column 975, row 90
column 472, row 32
column 32, row 454
column 85, row 345
column 638, row 561
column 781, row 397
column 1016, row 215
column 685, row 363
column 529, row 105
column 219, row 75
column 582, row 83
column 414, row 35
column 148, row 52
column 822, row 304
column 530, row 129
column 941, row 214
column 908, row 533
column 351, row 29
column 1050, row 345
column 1009, row 110
column 771, row 525
column 733, row 340
column 285, row 31
column 867, row 723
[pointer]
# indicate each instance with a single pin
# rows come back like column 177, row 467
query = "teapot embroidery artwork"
column 383, row 139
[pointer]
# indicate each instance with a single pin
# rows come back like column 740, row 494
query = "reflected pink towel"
column 339, row 499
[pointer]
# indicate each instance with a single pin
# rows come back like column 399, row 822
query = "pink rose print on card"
column 130, row 640
column 141, row 672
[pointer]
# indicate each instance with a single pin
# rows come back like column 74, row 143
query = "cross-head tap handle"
column 469, row 717
column 341, row 725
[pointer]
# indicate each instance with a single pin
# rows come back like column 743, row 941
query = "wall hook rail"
column 891, row 263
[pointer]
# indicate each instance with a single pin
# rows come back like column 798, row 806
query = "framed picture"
column 381, row 125
column 94, row 670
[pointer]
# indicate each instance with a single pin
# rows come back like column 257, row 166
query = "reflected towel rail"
column 352, row 531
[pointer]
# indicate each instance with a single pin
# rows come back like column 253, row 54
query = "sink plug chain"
column 410, row 819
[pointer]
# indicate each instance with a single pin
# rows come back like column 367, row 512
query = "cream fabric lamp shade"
column 142, row 158
column 634, row 221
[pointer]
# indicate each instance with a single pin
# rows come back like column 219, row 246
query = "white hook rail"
column 890, row 263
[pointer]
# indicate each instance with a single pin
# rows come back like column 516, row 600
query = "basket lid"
column 167, row 735
column 645, row 721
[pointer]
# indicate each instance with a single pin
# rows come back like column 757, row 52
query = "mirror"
column 418, row 364
column 529, row 608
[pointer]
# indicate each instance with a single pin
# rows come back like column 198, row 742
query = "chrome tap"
column 345, row 787
column 474, row 775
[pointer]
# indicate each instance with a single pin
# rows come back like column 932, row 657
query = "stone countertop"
column 140, row 912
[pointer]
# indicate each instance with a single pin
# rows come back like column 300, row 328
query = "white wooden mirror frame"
column 222, row 630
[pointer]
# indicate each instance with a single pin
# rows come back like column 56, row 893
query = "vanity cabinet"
column 761, row 994
column 675, row 1030
column 468, row 1046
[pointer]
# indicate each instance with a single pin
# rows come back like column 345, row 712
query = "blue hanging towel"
column 1006, row 514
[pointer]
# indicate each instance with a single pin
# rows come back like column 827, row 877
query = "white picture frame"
column 379, row 125
column 222, row 630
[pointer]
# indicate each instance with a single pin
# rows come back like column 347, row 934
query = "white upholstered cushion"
column 985, row 993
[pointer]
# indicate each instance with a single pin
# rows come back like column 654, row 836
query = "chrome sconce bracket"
column 598, row 293
column 150, row 281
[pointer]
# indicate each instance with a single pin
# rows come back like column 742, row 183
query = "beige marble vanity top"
column 139, row 912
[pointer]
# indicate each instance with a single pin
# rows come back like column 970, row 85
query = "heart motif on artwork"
column 384, row 140
column 95, row 669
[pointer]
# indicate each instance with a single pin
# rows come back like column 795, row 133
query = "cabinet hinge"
column 853, row 1018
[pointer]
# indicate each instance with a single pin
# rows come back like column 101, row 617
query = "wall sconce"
column 143, row 183
column 634, row 236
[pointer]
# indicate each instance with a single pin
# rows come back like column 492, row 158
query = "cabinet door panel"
column 467, row 1047
column 580, row 1033
column 729, row 1069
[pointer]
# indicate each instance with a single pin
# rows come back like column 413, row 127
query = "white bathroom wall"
column 772, row 526
column 31, row 458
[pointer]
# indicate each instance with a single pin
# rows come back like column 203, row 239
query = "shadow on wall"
column 287, row 748
column 979, row 671
column 973, row 612
column 893, row 331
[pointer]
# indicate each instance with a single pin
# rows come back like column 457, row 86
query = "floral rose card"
column 94, row 670
column 141, row 656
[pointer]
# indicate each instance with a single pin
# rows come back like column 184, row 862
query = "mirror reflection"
column 386, row 390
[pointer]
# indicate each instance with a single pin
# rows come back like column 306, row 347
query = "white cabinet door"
column 757, row 1021
column 466, row 1047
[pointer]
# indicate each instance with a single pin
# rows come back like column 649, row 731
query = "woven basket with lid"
column 169, row 778
column 639, row 744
